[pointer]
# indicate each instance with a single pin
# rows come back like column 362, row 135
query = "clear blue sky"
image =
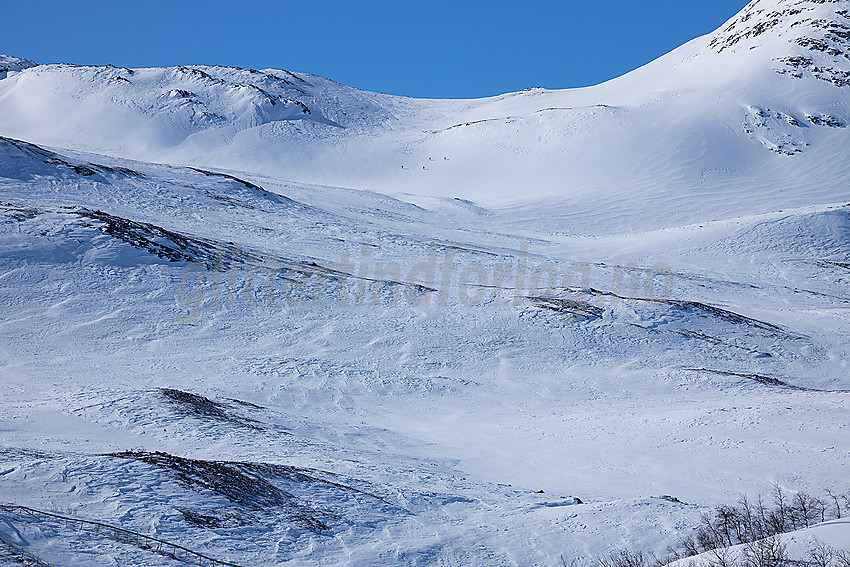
column 436, row 49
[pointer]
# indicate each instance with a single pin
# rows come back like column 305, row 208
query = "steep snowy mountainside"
column 690, row 125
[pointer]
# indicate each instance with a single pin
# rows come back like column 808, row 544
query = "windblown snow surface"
column 281, row 321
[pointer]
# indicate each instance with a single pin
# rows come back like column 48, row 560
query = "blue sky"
column 438, row 49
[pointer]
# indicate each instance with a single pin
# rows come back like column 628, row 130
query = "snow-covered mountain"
column 278, row 320
column 770, row 84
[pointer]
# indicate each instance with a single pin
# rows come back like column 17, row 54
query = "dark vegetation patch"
column 671, row 499
column 715, row 340
column 247, row 184
column 247, row 404
column 222, row 257
column 164, row 243
column 729, row 316
column 766, row 380
column 589, row 310
column 833, row 264
column 45, row 156
column 19, row 453
column 238, row 483
column 218, row 518
column 228, row 200
column 17, row 214
column 179, row 247
column 204, row 408
column 468, row 248
column 38, row 153
column 201, row 520
column 118, row 170
column 255, row 488
column 572, row 307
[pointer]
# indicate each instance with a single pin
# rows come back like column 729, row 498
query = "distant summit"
column 9, row 63
column 808, row 37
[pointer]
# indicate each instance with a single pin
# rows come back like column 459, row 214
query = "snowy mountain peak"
column 9, row 63
column 805, row 37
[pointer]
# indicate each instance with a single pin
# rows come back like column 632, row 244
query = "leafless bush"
column 821, row 555
column 846, row 499
column 689, row 547
column 628, row 559
column 767, row 552
column 806, row 510
column 836, row 500
column 721, row 557
column 778, row 519
column 749, row 522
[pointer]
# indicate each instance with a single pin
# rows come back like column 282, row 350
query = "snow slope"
column 729, row 106
column 234, row 320
column 798, row 544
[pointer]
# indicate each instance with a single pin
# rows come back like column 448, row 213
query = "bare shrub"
column 836, row 502
column 721, row 557
column 624, row 558
column 778, row 519
column 806, row 510
column 821, row 555
column 767, row 552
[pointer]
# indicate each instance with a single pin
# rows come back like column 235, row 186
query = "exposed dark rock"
column 825, row 120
